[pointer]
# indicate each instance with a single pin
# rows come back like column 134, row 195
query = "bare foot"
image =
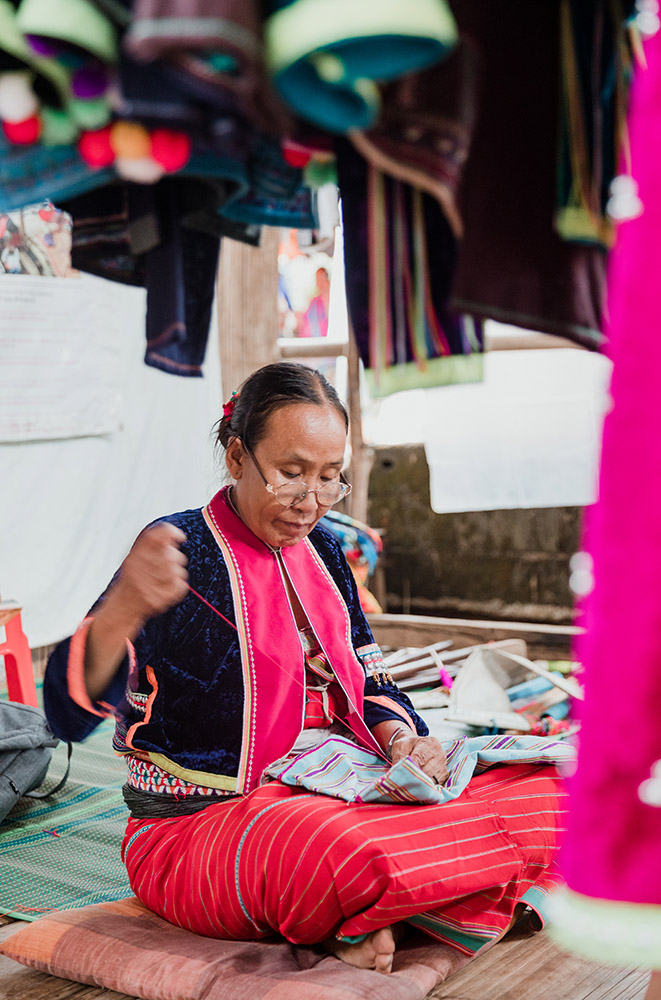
column 376, row 951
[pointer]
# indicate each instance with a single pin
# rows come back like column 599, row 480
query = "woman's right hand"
column 154, row 575
column 153, row 578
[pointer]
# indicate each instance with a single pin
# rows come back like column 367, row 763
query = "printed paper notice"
column 59, row 358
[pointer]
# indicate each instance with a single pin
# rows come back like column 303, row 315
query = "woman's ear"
column 235, row 455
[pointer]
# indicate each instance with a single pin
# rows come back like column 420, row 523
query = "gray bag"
column 26, row 747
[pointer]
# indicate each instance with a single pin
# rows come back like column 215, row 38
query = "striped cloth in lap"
column 340, row 768
column 311, row 866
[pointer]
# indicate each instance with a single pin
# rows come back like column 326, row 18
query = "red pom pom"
column 294, row 154
column 171, row 149
column 23, row 133
column 95, row 148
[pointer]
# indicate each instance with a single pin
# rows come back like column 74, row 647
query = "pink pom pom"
column 23, row 133
column 95, row 148
column 171, row 149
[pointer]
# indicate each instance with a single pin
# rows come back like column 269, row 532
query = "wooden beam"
column 528, row 341
column 545, row 642
column 312, row 347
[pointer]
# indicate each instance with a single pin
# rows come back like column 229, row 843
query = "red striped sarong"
column 282, row 860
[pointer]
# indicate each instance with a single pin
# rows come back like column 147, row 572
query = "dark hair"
column 269, row 388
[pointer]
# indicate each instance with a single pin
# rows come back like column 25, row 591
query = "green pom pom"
column 58, row 127
column 316, row 173
column 90, row 115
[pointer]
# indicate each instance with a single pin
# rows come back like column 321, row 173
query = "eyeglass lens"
column 290, row 493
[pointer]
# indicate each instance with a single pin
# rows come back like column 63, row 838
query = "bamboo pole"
column 247, row 308
column 362, row 457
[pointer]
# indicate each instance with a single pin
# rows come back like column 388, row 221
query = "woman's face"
column 303, row 442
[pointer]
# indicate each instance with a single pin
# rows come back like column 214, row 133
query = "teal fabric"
column 326, row 58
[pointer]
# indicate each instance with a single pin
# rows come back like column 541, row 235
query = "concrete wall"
column 492, row 564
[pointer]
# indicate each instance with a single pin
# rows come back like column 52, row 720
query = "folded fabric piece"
column 325, row 57
column 400, row 254
column 343, row 770
column 123, row 946
column 36, row 240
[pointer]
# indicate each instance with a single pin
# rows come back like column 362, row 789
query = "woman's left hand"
column 426, row 751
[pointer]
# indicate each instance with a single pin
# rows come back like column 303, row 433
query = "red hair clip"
column 228, row 407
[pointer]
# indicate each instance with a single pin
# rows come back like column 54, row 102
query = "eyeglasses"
column 290, row 494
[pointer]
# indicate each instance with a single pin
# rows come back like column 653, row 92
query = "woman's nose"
column 309, row 502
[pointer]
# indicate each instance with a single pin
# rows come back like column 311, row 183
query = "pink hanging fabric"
column 613, row 847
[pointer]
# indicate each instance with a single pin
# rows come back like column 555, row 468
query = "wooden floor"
column 518, row 968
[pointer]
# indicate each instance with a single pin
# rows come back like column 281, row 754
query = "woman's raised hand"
column 426, row 751
column 154, row 577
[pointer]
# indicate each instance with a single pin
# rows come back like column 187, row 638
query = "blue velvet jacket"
column 197, row 716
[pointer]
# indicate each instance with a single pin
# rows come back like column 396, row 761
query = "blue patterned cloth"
column 343, row 770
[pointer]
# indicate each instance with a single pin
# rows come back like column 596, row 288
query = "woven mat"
column 63, row 852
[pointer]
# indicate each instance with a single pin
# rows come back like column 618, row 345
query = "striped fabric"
column 340, row 768
column 320, row 705
column 310, row 866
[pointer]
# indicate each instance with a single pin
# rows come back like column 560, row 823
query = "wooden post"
column 361, row 456
column 247, row 308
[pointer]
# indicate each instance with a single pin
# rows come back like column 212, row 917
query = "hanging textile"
column 399, row 254
column 611, row 910
column 325, row 58
column 512, row 266
column 423, row 134
column 595, row 72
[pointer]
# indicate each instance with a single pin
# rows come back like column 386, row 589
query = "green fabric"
column 77, row 22
column 605, row 930
column 471, row 942
column 12, row 41
column 450, row 370
column 63, row 853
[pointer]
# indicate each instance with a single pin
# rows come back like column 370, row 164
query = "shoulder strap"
column 59, row 785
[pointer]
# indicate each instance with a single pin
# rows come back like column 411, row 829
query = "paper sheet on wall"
column 59, row 358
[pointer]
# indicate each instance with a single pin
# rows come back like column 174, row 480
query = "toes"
column 383, row 963
column 383, row 944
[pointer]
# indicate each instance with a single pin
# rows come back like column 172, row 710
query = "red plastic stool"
column 18, row 658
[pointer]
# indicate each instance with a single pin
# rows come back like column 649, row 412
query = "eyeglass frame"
column 304, row 493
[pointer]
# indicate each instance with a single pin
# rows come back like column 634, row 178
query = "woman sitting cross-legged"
column 230, row 644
